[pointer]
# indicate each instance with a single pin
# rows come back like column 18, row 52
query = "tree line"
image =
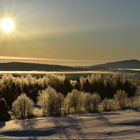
column 58, row 94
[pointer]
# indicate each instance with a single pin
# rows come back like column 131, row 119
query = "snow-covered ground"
column 109, row 125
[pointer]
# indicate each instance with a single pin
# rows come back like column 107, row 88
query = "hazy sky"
column 72, row 32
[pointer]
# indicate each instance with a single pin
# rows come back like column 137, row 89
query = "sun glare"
column 7, row 25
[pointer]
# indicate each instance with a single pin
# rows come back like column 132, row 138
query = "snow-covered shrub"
column 109, row 105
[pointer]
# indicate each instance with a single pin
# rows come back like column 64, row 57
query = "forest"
column 28, row 96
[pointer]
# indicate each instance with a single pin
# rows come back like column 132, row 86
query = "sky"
column 71, row 32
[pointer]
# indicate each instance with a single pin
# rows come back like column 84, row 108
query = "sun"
column 7, row 25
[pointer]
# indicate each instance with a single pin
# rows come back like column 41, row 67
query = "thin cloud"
column 40, row 59
column 68, row 62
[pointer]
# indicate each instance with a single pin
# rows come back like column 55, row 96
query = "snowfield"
column 108, row 125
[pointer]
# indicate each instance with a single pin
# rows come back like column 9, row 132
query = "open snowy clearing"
column 107, row 125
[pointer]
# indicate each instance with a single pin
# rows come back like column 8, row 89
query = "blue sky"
column 72, row 32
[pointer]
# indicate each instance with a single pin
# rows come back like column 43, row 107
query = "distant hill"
column 126, row 64
column 21, row 66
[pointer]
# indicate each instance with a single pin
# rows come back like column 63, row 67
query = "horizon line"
column 55, row 61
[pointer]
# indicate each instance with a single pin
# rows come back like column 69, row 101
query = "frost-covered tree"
column 50, row 101
column 122, row 98
column 95, row 101
column 91, row 102
column 22, row 107
column 87, row 102
column 73, row 102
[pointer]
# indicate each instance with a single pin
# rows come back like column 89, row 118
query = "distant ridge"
column 22, row 66
column 126, row 64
